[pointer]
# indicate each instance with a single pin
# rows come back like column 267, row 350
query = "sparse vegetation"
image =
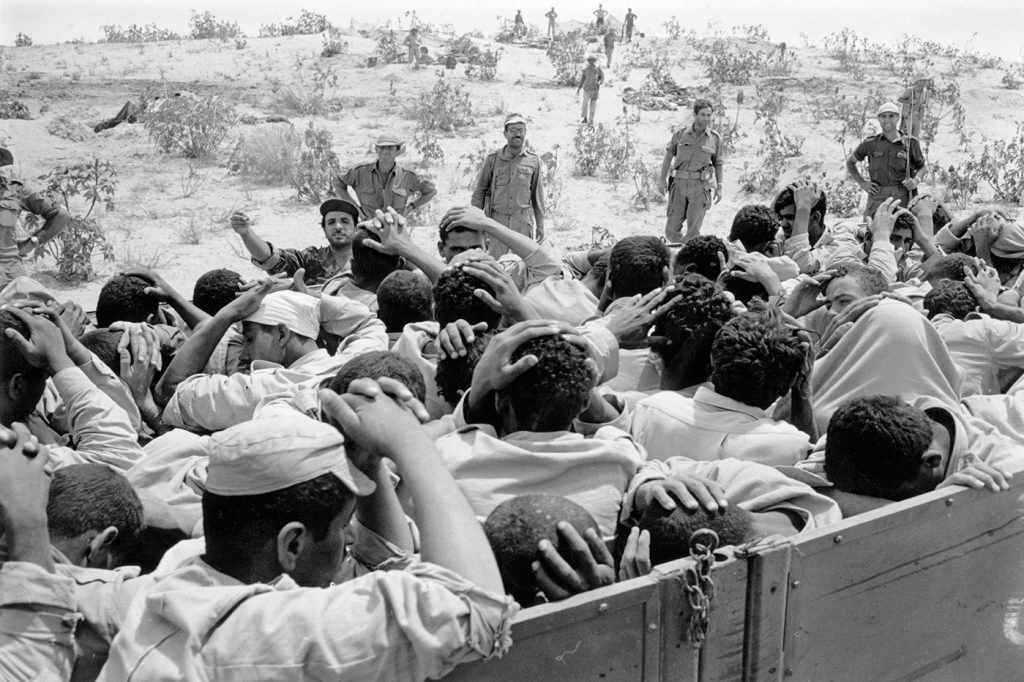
column 317, row 167
column 309, row 93
column 13, row 108
column 136, row 33
column 268, row 154
column 22, row 40
column 333, row 45
column 205, row 26
column 1001, row 165
column 446, row 107
column 189, row 125
column 726, row 62
column 307, row 23
column 566, row 53
column 389, row 51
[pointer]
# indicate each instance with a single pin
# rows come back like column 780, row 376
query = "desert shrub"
column 205, row 26
column 725, row 62
column 1013, row 79
column 69, row 129
column 646, row 184
column 389, row 50
column 189, row 125
column 308, row 23
column 849, row 50
column 317, row 166
column 1001, row 165
column 751, row 32
column 12, row 108
column 447, row 106
column 240, row 43
column 774, row 150
column 961, row 181
column 673, row 29
column 728, row 128
column 428, row 145
column 80, row 188
column 22, row 40
column 943, row 104
column 471, row 162
column 551, row 179
column 136, row 33
column 308, row 94
column 485, row 66
column 609, row 148
column 333, row 44
column 268, row 154
column 566, row 53
column 771, row 100
column 851, row 112
column 843, row 196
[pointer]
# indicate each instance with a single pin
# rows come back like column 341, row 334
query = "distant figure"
column 590, row 84
column 694, row 156
column 627, row 27
column 509, row 187
column 551, row 15
column 519, row 28
column 425, row 57
column 412, row 41
column 383, row 183
column 609, row 46
column 600, row 13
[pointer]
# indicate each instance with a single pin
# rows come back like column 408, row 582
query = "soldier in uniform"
column 338, row 219
column 894, row 158
column 599, row 14
column 627, row 27
column 551, row 15
column 412, row 41
column 693, row 170
column 508, row 187
column 384, row 183
column 590, row 83
column 16, row 197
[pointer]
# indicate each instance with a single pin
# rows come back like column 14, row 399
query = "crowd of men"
column 363, row 465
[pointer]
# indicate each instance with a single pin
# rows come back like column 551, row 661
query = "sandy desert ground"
column 154, row 224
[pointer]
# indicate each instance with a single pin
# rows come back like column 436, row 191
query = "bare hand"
column 506, row 299
column 755, row 268
column 455, row 338
column 24, row 480
column 469, row 217
column 240, row 222
column 392, row 228
column 74, row 318
column 636, row 557
column 140, row 342
column 910, row 183
column 805, row 194
column 495, row 370
column 586, row 565
column 693, row 492
column 248, row 301
column 806, row 296
column 984, row 286
column 718, row 193
column 636, row 315
column 978, row 474
column 45, row 348
column 870, row 187
column 885, row 219
column 376, row 426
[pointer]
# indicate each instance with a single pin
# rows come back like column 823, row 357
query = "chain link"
column 698, row 585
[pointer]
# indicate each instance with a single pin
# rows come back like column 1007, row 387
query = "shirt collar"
column 708, row 396
column 507, row 154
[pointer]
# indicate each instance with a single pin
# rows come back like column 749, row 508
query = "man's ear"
column 440, row 248
column 292, row 540
column 932, row 461
column 283, row 333
column 97, row 553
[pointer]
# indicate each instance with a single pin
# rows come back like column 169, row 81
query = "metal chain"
column 698, row 585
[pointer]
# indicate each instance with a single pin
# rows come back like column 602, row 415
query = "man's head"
column 785, row 207
column 853, row 282
column 124, row 299
column 6, row 158
column 950, row 297
column 552, row 393
column 700, row 256
column 755, row 358
column 278, row 495
column 592, row 60
column 703, row 110
column 950, row 266
column 404, row 297
column 377, row 364
column 686, row 330
column 756, row 226
column 283, row 329
column 595, row 278
column 369, row 266
column 515, row 132
column 671, row 530
column 458, row 239
column 454, row 299
column 388, row 148
column 455, row 374
column 338, row 218
column 637, row 265
column 215, row 289
column 516, row 527
column 94, row 515
column 902, row 237
column 21, row 383
column 883, row 447
column 889, row 117
column 103, row 344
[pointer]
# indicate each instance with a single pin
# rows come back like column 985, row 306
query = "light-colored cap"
column 23, row 290
column 296, row 311
column 889, row 108
column 278, row 451
column 389, row 141
column 512, row 119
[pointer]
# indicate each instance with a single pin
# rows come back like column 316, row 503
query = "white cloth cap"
column 297, row 311
column 889, row 108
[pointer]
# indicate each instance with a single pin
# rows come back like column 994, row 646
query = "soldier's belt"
column 689, row 175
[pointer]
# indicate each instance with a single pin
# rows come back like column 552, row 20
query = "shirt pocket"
column 10, row 209
column 523, row 193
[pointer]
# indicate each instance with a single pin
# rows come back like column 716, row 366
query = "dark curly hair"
column 553, row 392
column 950, row 266
column 950, row 297
column 124, row 299
column 404, row 297
column 754, row 226
column 215, row 289
column 455, row 375
column 700, row 256
column 367, row 263
column 14, row 362
column 454, row 299
column 755, row 358
column 874, row 446
column 870, row 279
column 785, row 199
column 637, row 265
column 377, row 364
column 671, row 530
column 103, row 344
column 685, row 331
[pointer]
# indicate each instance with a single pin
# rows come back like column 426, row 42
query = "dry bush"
column 136, row 33
column 317, row 166
column 22, row 40
column 726, row 62
column 446, row 107
column 389, row 50
column 774, row 151
column 189, row 125
column 205, row 26
column 307, row 23
column 309, row 92
column 12, row 108
column 1001, row 165
column 333, row 45
column 268, row 154
column 566, row 53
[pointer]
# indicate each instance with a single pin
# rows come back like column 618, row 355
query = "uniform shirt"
column 318, row 261
column 378, row 191
column 592, row 77
column 509, row 184
column 37, row 623
column 693, row 152
column 887, row 159
column 981, row 347
column 15, row 197
column 711, row 426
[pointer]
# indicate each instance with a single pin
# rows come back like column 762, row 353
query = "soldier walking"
column 692, row 169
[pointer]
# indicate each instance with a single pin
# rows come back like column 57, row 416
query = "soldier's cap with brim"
column 6, row 157
column 513, row 119
column 340, row 204
column 389, row 141
column 592, row 58
column 889, row 108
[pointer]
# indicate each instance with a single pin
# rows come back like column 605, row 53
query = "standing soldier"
column 894, row 158
column 694, row 157
column 627, row 27
column 384, row 183
column 519, row 25
column 599, row 15
column 509, row 188
column 16, row 197
column 551, row 15
column 412, row 41
column 609, row 45
column 590, row 83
